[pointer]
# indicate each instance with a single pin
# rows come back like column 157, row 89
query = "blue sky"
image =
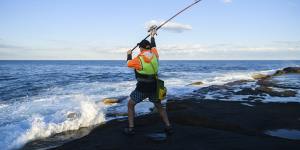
column 94, row 29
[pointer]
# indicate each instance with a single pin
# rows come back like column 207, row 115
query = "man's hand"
column 152, row 30
column 129, row 52
column 153, row 33
column 129, row 55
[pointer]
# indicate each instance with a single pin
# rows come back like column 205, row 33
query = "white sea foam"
column 60, row 109
column 223, row 78
column 41, row 118
column 228, row 77
column 3, row 105
column 178, row 85
column 268, row 72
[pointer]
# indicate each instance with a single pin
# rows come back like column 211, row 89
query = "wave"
column 42, row 118
column 60, row 109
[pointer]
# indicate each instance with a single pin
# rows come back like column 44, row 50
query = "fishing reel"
column 153, row 27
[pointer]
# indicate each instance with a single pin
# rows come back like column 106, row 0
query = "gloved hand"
column 129, row 55
column 129, row 52
column 153, row 33
column 152, row 30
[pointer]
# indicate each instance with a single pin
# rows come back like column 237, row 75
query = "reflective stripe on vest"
column 150, row 68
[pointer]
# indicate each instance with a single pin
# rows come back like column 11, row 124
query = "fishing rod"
column 197, row 1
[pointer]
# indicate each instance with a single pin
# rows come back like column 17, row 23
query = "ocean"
column 37, row 98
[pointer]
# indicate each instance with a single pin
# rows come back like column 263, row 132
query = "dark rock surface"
column 287, row 70
column 263, row 90
column 198, row 124
column 292, row 70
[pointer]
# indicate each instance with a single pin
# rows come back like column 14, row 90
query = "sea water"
column 42, row 98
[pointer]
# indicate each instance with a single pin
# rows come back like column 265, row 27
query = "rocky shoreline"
column 259, row 89
column 209, row 124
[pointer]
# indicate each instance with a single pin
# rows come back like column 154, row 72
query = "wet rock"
column 197, row 83
column 157, row 137
column 264, row 89
column 260, row 76
column 211, row 88
column 173, row 105
column 248, row 91
column 116, row 114
column 279, row 72
column 287, row 71
column 286, row 93
column 110, row 101
column 254, row 98
column 72, row 115
column 238, row 82
column 271, row 92
column 266, row 82
column 292, row 70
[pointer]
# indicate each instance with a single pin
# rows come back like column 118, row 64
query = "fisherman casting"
column 148, row 84
column 145, row 65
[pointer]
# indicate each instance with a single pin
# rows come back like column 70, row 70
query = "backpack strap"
column 156, row 75
column 141, row 61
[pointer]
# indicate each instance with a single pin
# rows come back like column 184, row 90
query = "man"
column 145, row 66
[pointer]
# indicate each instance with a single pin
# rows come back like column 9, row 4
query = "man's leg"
column 163, row 114
column 131, row 113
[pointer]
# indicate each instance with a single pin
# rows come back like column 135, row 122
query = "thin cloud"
column 272, row 50
column 278, row 46
column 230, row 51
column 271, row 47
column 170, row 26
column 2, row 46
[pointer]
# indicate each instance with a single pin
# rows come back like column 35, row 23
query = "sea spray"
column 87, row 112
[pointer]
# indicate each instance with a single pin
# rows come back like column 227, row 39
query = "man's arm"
column 133, row 63
column 152, row 34
column 152, row 43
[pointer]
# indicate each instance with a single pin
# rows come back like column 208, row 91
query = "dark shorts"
column 138, row 96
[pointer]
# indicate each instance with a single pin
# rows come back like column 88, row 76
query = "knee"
column 158, row 106
column 131, row 104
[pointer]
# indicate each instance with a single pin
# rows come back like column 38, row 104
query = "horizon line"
column 161, row 60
